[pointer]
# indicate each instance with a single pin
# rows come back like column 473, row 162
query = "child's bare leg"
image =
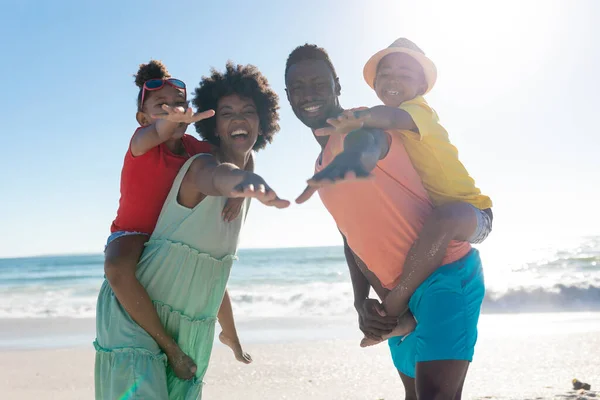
column 120, row 263
column 456, row 221
column 229, row 336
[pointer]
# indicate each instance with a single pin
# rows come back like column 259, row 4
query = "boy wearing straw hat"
column 400, row 75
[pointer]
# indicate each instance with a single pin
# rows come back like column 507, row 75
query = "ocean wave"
column 317, row 299
column 312, row 299
column 337, row 299
column 556, row 298
column 52, row 304
column 309, row 282
column 31, row 279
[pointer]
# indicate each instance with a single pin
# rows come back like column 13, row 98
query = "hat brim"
column 429, row 69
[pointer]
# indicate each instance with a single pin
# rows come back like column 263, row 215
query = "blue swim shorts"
column 446, row 307
column 118, row 234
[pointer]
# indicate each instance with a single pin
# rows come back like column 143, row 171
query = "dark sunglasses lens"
column 154, row 83
column 177, row 83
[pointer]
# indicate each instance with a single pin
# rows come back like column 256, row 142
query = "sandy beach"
column 518, row 357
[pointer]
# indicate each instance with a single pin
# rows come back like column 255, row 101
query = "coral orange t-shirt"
column 381, row 218
column 145, row 184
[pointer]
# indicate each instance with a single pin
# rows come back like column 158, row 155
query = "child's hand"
column 232, row 208
column 348, row 121
column 372, row 320
column 182, row 115
column 173, row 117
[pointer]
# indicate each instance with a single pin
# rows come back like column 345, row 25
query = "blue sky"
column 517, row 90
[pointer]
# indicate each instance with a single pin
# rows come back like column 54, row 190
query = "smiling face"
column 237, row 123
column 312, row 91
column 399, row 78
column 155, row 99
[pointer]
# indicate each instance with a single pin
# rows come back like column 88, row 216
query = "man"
column 380, row 211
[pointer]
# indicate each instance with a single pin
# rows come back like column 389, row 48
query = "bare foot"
column 183, row 366
column 406, row 324
column 235, row 345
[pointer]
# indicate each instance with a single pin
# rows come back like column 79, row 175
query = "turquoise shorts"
column 446, row 307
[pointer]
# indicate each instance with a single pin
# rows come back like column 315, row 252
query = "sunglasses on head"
column 155, row 84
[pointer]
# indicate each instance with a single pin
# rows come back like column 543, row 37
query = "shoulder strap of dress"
column 179, row 178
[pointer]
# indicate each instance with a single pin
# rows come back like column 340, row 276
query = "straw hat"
column 401, row 45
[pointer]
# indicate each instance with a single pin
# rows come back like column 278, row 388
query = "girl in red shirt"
column 157, row 151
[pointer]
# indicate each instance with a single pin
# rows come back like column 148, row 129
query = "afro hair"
column 245, row 81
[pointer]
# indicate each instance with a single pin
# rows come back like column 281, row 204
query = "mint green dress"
column 184, row 267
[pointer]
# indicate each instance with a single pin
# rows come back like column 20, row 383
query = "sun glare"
column 478, row 38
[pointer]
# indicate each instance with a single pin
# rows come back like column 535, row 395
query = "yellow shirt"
column 436, row 160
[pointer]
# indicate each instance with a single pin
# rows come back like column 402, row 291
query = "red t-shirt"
column 145, row 184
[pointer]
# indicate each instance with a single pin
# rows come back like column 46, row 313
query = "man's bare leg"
column 440, row 380
column 410, row 387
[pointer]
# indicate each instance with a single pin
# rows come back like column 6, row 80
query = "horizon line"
column 100, row 253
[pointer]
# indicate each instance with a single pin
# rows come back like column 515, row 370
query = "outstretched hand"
column 253, row 185
column 181, row 115
column 177, row 116
column 346, row 166
column 348, row 121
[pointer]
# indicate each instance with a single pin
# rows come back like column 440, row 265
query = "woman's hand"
column 253, row 185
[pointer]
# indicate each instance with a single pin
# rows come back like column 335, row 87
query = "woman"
column 186, row 263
